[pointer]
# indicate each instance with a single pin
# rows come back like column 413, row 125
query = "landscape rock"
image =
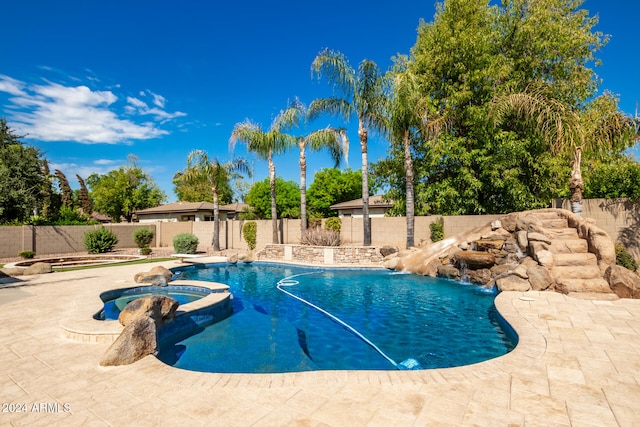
column 448, row 271
column 623, row 282
column 158, row 308
column 513, row 283
column 509, row 222
column 11, row 272
column 480, row 277
column 523, row 241
column 232, row 258
column 486, row 244
column 137, row 340
column 38, row 268
column 538, row 237
column 544, row 257
column 246, row 258
column 388, row 250
column 475, row 260
column 158, row 276
column 391, row 263
column 540, row 278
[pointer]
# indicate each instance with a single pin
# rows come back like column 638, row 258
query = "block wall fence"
column 619, row 218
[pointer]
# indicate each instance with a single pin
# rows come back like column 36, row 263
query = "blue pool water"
column 434, row 322
column 116, row 300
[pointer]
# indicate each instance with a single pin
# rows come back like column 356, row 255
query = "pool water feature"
column 116, row 300
column 434, row 322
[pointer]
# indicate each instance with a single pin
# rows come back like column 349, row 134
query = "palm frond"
column 333, row 106
column 334, row 139
column 292, row 116
column 335, row 67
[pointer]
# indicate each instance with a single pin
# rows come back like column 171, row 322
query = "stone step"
column 597, row 285
column 564, row 246
column 561, row 233
column 575, row 272
column 555, row 223
column 574, row 259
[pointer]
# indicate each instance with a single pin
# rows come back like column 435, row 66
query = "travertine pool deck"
column 577, row 364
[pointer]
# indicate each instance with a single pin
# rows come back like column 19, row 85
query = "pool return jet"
column 409, row 364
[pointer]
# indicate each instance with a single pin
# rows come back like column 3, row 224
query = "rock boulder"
column 38, row 268
column 137, row 340
column 475, row 260
column 158, row 308
column 624, row 283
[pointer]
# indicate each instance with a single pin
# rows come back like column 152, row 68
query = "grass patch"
column 117, row 264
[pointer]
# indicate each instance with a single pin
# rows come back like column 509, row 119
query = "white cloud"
column 158, row 100
column 54, row 112
column 104, row 162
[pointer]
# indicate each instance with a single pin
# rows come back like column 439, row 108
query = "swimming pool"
column 115, row 300
column 403, row 317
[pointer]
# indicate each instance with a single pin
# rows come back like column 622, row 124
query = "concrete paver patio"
column 577, row 364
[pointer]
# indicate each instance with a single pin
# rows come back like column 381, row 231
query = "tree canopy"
column 475, row 54
column 287, row 199
column 122, row 191
column 331, row 186
column 21, row 177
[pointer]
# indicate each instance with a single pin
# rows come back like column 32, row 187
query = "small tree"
column 249, row 233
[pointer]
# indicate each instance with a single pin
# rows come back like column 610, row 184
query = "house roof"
column 183, row 207
column 374, row 202
column 235, row 207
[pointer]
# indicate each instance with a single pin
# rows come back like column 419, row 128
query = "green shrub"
column 185, row 243
column 100, row 240
column 27, row 254
column 249, row 233
column 333, row 224
column 143, row 237
column 437, row 230
column 320, row 237
column 625, row 259
column 145, row 251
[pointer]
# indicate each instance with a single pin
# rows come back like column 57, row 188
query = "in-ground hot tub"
column 117, row 299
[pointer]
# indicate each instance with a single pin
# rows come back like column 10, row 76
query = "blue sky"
column 92, row 82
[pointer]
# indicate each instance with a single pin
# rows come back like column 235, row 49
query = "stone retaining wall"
column 321, row 255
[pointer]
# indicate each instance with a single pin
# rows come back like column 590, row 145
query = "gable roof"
column 183, row 207
column 376, row 201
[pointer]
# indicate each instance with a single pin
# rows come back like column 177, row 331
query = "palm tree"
column 334, row 139
column 363, row 95
column 409, row 120
column 201, row 168
column 599, row 127
column 265, row 145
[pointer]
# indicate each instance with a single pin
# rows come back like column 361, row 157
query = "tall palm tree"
column 201, row 168
column 598, row 127
column 409, row 120
column 265, row 144
column 334, row 139
column 363, row 95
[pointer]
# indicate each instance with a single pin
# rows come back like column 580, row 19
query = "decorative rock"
column 521, row 271
column 539, row 277
column 513, row 283
column 246, row 258
column 38, row 268
column 601, row 244
column 475, row 260
column 496, row 224
column 624, row 283
column 388, row 250
column 529, row 223
column 11, row 272
column 485, row 244
column 502, row 269
column 159, row 308
column 157, row 276
column 464, row 246
column 523, row 241
column 448, row 271
column 232, row 259
column 391, row 263
column 538, row 237
column 480, row 277
column 509, row 222
column 544, row 258
column 137, row 340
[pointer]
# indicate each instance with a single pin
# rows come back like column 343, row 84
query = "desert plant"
column 314, row 222
column 333, row 224
column 249, row 233
column 27, row 254
column 143, row 237
column 625, row 259
column 437, row 230
column 185, row 243
column 145, row 251
column 100, row 240
column 320, row 237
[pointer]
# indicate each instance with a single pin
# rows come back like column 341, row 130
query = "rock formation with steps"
column 546, row 249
